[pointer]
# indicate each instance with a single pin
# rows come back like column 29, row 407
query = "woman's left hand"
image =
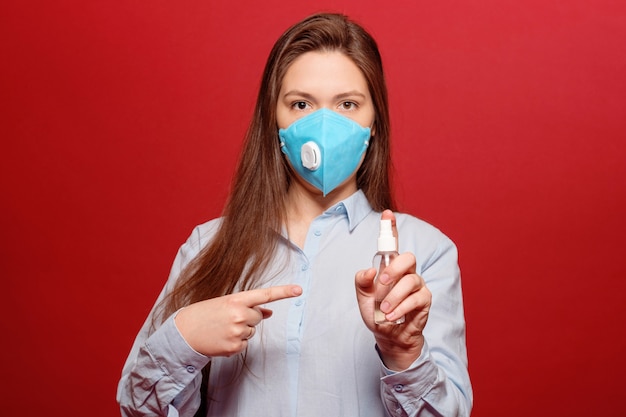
column 399, row 344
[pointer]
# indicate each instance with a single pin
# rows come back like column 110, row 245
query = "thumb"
column 364, row 280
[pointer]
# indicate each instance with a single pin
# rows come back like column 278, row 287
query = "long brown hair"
column 255, row 210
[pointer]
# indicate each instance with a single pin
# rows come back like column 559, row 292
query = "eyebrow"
column 309, row 96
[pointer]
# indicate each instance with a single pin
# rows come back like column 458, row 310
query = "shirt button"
column 318, row 233
column 191, row 369
column 299, row 302
column 305, row 267
column 398, row 387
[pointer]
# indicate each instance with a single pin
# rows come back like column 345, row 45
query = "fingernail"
column 384, row 306
column 384, row 279
column 296, row 290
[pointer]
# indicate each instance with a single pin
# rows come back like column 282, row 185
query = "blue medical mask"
column 324, row 147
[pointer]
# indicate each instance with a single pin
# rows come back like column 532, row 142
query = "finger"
column 388, row 215
column 406, row 293
column 365, row 279
column 419, row 301
column 266, row 312
column 251, row 333
column 259, row 296
column 404, row 264
column 261, row 314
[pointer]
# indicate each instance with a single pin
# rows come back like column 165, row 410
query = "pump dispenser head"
column 386, row 239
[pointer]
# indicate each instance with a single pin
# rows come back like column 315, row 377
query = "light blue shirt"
column 314, row 356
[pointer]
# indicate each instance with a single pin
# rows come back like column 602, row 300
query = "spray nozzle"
column 386, row 239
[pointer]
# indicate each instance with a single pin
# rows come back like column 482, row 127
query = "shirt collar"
column 356, row 208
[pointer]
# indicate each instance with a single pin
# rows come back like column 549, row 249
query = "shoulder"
column 427, row 242
column 200, row 236
column 416, row 227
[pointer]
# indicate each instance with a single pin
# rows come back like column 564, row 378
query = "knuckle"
column 232, row 300
column 419, row 282
column 429, row 297
column 235, row 343
column 233, row 348
column 236, row 316
column 411, row 257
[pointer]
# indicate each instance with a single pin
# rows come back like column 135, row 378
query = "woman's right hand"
column 222, row 326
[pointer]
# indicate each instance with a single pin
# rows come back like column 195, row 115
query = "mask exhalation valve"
column 311, row 156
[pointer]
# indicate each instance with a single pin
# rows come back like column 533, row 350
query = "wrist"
column 399, row 358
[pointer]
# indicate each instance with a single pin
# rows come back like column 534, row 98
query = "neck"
column 305, row 203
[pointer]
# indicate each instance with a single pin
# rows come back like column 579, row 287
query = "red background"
column 121, row 125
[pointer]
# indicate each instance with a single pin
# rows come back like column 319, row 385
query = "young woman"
column 274, row 300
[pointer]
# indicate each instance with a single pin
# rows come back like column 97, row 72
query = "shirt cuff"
column 178, row 362
column 406, row 388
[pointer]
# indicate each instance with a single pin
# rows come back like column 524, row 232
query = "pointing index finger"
column 267, row 295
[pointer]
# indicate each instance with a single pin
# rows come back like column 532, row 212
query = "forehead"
column 324, row 71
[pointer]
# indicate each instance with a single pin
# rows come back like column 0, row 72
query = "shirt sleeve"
column 162, row 374
column 166, row 377
column 437, row 383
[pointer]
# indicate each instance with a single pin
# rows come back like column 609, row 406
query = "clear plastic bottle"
column 387, row 252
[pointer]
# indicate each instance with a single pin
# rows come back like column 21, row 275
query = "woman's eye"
column 348, row 105
column 300, row 105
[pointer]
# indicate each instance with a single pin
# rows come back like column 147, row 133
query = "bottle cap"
column 386, row 239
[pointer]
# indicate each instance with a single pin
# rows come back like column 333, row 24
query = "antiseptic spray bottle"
column 387, row 252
